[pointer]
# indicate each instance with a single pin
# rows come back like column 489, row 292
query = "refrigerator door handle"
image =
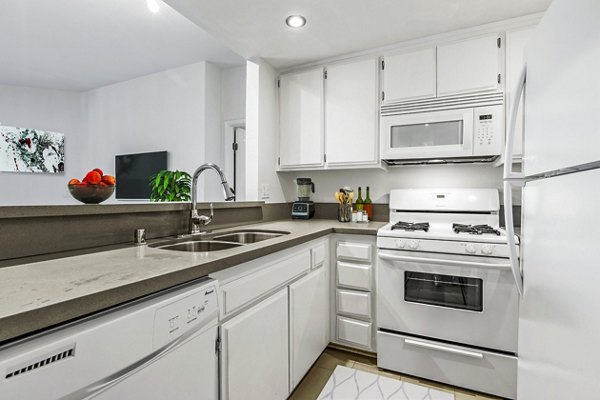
column 510, row 133
column 510, row 232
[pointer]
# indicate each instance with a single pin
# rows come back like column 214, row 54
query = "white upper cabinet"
column 469, row 66
column 352, row 112
column 409, row 75
column 515, row 47
column 301, row 118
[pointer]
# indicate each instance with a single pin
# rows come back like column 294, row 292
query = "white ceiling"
column 84, row 44
column 256, row 28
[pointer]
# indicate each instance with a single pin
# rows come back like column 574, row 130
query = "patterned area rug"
column 351, row 384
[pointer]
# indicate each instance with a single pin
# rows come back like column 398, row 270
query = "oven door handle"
column 442, row 262
column 438, row 347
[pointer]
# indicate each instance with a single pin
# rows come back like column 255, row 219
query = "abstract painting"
column 31, row 150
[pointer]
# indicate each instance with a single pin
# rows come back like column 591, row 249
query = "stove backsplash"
column 381, row 212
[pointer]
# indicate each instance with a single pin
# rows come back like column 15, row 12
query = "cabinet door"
column 255, row 352
column 409, row 75
column 351, row 112
column 469, row 66
column 515, row 46
column 309, row 321
column 301, row 118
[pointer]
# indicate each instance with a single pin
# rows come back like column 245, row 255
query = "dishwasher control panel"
column 185, row 315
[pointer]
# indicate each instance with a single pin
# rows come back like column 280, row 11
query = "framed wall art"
column 31, row 150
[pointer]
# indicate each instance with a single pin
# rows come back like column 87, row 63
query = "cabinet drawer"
column 354, row 303
column 243, row 290
column 354, row 331
column 318, row 256
column 354, row 251
column 356, row 276
column 455, row 365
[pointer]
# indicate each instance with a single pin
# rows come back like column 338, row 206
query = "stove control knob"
column 413, row 244
column 487, row 249
column 470, row 248
column 400, row 243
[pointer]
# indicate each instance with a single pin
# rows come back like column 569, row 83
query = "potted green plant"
column 170, row 186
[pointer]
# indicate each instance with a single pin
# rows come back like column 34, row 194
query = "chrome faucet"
column 197, row 220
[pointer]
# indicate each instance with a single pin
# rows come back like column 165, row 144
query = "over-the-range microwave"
column 457, row 130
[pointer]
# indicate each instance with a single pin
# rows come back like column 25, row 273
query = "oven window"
column 445, row 133
column 444, row 290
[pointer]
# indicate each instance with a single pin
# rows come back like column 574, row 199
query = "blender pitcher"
column 305, row 187
column 304, row 208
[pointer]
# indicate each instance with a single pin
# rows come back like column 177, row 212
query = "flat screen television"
column 133, row 172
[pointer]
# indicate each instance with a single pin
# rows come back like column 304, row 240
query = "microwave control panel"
column 488, row 130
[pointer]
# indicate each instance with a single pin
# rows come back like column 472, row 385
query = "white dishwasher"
column 159, row 347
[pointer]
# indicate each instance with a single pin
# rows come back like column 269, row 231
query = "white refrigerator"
column 559, row 270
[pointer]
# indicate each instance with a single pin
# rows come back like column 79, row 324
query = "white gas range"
column 447, row 304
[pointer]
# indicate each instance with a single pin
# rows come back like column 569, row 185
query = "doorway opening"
column 235, row 157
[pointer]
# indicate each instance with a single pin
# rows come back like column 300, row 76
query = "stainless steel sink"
column 215, row 242
column 246, row 237
column 197, row 245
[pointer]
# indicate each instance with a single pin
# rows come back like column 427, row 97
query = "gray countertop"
column 43, row 294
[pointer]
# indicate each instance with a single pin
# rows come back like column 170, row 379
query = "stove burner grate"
column 411, row 226
column 474, row 229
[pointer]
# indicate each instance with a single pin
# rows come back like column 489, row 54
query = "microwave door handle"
column 510, row 133
column 436, row 261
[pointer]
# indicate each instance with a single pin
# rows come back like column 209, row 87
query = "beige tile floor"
column 319, row 374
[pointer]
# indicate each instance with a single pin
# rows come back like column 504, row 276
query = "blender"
column 304, row 208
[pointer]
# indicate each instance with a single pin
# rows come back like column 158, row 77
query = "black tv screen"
column 134, row 171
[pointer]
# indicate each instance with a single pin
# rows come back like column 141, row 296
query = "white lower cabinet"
column 354, row 332
column 275, row 317
column 309, row 322
column 353, row 291
column 354, row 303
column 255, row 352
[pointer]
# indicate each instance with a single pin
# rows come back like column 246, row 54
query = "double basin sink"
column 217, row 241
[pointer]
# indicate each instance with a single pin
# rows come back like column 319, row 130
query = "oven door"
column 463, row 299
column 427, row 135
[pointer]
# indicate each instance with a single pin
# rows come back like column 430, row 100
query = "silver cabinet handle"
column 439, row 347
column 441, row 262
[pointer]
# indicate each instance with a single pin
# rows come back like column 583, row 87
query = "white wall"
column 163, row 111
column 225, row 101
column 233, row 114
column 380, row 182
column 178, row 110
column 181, row 110
column 262, row 133
column 233, row 93
column 252, row 128
column 51, row 110
column 209, row 186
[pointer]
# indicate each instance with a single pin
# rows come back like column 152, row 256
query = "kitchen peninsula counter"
column 43, row 294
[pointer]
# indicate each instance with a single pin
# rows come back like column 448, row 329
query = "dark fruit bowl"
column 91, row 194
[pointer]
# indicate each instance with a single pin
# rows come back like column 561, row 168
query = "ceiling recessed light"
column 295, row 21
column 153, row 6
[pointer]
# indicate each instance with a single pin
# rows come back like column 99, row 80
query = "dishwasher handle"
column 437, row 261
